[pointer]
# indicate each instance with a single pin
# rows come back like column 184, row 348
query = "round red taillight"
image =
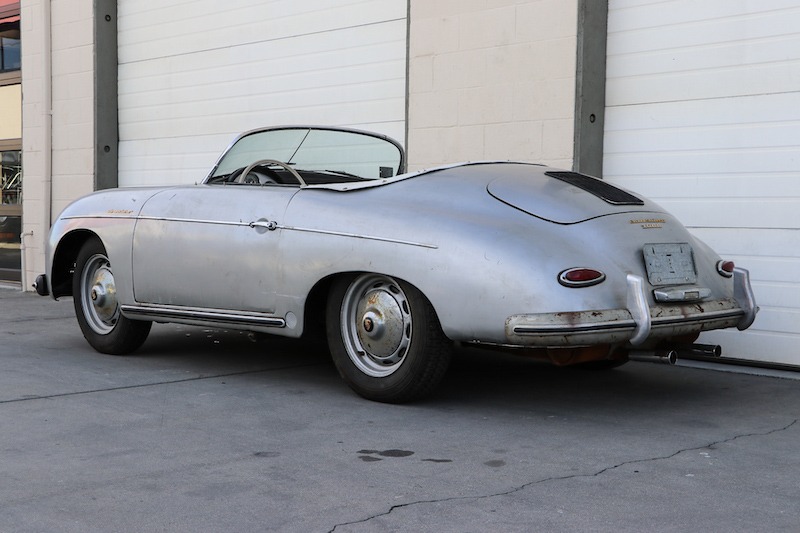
column 580, row 277
column 725, row 268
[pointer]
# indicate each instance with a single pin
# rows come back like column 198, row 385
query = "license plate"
column 669, row 264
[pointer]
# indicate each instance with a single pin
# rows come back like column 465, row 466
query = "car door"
column 210, row 247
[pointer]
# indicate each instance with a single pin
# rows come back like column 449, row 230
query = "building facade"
column 694, row 107
column 10, row 141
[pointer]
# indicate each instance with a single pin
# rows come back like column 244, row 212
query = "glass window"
column 11, row 177
column 359, row 155
column 10, row 57
column 10, row 214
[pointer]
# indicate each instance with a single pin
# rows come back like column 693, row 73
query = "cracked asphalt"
column 214, row 430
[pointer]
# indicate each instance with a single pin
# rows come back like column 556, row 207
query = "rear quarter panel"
column 476, row 259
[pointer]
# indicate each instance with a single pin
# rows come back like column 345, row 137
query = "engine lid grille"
column 597, row 187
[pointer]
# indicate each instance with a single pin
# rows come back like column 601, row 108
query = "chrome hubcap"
column 376, row 324
column 100, row 305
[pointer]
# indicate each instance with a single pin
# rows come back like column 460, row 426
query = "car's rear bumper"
column 637, row 324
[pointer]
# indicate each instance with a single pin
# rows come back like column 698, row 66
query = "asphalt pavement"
column 215, row 430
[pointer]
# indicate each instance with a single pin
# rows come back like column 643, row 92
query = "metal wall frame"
column 590, row 86
column 106, row 117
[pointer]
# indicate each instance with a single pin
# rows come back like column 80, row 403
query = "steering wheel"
column 243, row 177
column 257, row 178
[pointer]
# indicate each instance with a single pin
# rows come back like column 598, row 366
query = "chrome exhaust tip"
column 668, row 357
column 700, row 350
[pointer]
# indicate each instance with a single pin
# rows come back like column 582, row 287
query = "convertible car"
column 315, row 231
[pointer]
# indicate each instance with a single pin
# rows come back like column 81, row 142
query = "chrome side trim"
column 109, row 215
column 565, row 329
column 618, row 326
column 622, row 325
column 252, row 224
column 708, row 315
column 158, row 219
column 194, row 221
column 156, row 312
column 357, row 236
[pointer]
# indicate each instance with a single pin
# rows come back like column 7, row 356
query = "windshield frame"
column 401, row 169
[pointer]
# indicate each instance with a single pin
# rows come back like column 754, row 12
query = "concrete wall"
column 493, row 79
column 73, row 100
column 57, row 116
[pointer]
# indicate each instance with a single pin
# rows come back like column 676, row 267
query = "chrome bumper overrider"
column 638, row 322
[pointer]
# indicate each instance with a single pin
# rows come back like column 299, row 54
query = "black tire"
column 385, row 338
column 97, row 307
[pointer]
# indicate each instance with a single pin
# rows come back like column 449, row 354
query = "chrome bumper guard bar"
column 743, row 293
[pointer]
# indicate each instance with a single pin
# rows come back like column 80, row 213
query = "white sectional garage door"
column 193, row 73
column 703, row 115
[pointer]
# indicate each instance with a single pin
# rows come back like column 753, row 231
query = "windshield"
column 355, row 154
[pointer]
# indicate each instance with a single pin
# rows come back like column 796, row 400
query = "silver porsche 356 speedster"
column 307, row 230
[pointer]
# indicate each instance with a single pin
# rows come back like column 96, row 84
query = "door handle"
column 263, row 224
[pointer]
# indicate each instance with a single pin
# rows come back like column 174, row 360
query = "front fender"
column 107, row 215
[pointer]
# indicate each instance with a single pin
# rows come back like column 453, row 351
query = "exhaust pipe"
column 669, row 357
column 700, row 350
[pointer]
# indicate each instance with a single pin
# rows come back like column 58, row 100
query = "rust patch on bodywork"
column 568, row 355
column 586, row 354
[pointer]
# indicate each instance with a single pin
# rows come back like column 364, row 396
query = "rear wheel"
column 97, row 308
column 385, row 338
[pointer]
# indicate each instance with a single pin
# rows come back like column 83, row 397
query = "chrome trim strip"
column 561, row 329
column 226, row 317
column 709, row 315
column 194, row 221
column 159, row 219
column 78, row 217
column 357, row 236
column 251, row 224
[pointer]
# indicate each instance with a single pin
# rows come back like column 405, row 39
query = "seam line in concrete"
column 155, row 384
column 573, row 476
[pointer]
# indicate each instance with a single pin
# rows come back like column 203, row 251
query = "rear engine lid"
column 563, row 197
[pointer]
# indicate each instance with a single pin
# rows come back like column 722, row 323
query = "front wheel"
column 385, row 338
column 97, row 308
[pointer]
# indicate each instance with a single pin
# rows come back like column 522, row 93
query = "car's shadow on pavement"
column 476, row 377
column 485, row 373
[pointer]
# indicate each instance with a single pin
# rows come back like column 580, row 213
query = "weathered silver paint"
column 248, row 256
